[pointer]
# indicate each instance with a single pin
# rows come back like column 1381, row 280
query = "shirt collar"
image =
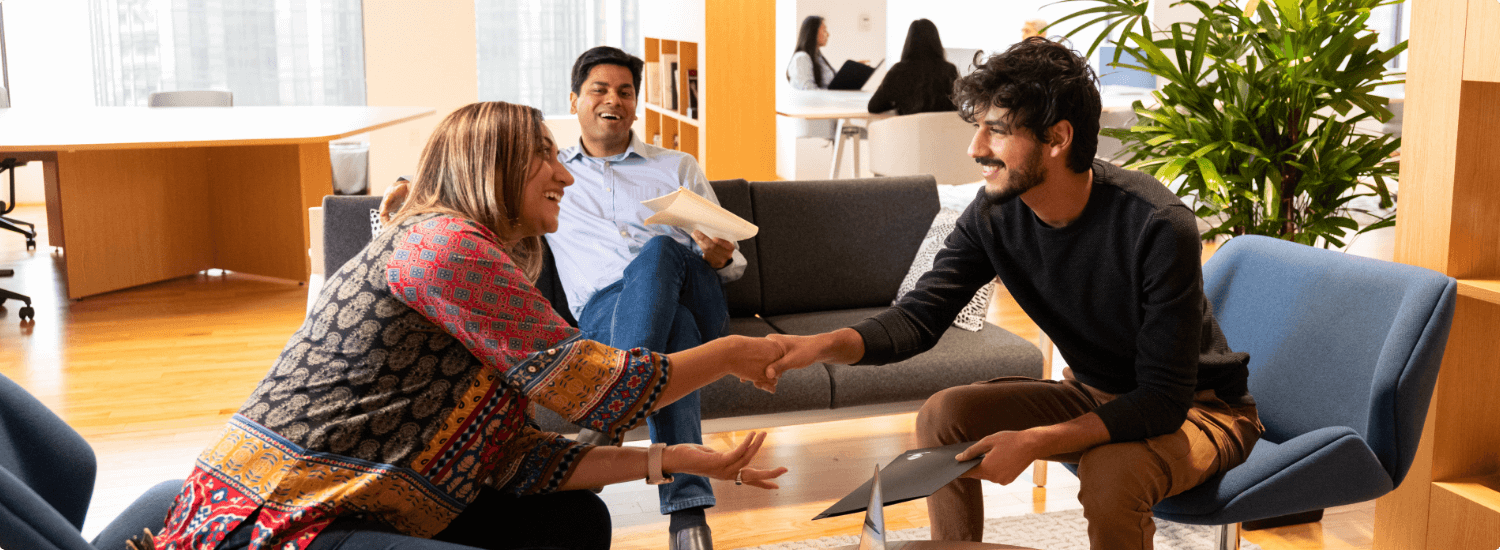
column 636, row 147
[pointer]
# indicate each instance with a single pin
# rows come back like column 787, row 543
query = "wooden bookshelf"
column 733, row 131
column 1450, row 222
column 676, row 128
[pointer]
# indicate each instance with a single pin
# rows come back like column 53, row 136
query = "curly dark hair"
column 606, row 55
column 1040, row 82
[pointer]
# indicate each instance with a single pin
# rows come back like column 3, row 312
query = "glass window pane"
column 283, row 52
column 527, row 47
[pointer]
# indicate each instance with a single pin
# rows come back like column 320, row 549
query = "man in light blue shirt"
column 635, row 285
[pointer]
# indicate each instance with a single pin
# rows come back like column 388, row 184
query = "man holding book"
column 630, row 284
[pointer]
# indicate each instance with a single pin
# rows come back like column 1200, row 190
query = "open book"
column 690, row 211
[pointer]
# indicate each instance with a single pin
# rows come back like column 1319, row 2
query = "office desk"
column 844, row 106
column 137, row 195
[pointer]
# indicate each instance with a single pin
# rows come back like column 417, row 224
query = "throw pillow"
column 972, row 316
column 375, row 225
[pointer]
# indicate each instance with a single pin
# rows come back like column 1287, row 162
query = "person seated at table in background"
column 923, row 80
column 809, row 70
column 397, row 415
column 1107, row 262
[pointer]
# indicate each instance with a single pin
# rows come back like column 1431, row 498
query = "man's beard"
column 1019, row 179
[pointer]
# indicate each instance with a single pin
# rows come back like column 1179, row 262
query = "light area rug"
column 1065, row 530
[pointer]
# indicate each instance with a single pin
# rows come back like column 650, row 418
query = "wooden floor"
column 148, row 375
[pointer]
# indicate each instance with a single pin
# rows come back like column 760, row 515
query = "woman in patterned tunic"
column 396, row 416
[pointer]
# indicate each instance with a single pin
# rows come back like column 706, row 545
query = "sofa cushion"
column 830, row 245
column 799, row 390
column 960, row 357
column 743, row 294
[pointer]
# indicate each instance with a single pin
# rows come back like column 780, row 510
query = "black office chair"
column 9, row 165
column 12, row 224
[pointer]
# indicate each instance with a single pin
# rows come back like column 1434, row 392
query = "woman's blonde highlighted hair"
column 475, row 166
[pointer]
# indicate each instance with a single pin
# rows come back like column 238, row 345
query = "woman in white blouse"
column 809, row 70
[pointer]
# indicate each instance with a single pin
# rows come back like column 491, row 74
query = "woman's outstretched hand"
column 705, row 461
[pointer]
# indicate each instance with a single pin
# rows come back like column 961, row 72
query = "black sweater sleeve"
column 1167, row 345
column 915, row 323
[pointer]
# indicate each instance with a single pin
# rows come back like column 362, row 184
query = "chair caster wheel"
column 27, row 313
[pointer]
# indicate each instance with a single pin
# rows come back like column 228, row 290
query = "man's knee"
column 666, row 246
column 940, row 420
column 1116, row 475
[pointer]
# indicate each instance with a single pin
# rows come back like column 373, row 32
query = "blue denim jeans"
column 668, row 300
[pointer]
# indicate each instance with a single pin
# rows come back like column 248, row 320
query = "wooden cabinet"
column 729, row 44
column 1482, row 57
column 1450, row 222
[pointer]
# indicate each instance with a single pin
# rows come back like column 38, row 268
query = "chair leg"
column 838, row 149
column 1228, row 536
column 1039, row 468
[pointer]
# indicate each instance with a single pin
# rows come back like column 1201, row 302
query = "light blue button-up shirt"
column 600, row 229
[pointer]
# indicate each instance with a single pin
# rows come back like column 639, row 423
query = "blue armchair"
column 47, row 479
column 1344, row 354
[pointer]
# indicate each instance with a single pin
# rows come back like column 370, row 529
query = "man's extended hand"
column 717, row 252
column 749, row 357
column 1006, row 455
column 843, row 346
column 800, row 351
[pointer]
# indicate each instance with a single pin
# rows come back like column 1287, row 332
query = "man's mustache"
column 990, row 161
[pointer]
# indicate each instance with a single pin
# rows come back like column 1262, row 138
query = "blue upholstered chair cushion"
column 47, row 479
column 1344, row 354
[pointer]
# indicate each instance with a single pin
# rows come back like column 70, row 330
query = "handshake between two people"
column 762, row 361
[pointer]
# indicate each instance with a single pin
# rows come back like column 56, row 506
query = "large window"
column 267, row 52
column 527, row 47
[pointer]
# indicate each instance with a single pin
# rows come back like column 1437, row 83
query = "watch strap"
column 654, row 473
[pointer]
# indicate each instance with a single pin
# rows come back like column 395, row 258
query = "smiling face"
column 605, row 108
column 541, row 198
column 1011, row 158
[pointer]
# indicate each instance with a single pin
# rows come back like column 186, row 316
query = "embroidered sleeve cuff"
column 593, row 385
column 545, row 467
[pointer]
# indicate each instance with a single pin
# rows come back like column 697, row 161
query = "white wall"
column 48, row 53
column 980, row 24
column 416, row 54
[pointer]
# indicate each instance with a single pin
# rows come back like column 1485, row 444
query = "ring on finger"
column 739, row 477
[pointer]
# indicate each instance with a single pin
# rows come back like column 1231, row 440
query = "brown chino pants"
column 1118, row 482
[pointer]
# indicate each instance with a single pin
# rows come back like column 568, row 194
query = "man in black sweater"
column 1106, row 261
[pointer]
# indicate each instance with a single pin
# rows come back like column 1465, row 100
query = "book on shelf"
column 688, row 210
column 693, row 94
column 664, row 85
column 653, row 78
column 673, row 103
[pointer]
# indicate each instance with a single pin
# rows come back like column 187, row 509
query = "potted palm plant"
column 1256, row 118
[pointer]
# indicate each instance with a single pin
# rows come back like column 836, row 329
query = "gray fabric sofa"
column 829, row 253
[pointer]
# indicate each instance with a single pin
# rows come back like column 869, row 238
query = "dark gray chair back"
column 346, row 228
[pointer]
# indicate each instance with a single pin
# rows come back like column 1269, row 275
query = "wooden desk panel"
column 153, row 194
column 133, row 217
